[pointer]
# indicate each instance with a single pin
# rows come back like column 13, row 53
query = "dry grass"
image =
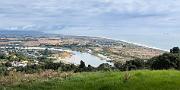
column 127, row 76
column 135, row 80
column 15, row 78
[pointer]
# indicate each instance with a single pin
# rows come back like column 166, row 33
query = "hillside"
column 133, row 80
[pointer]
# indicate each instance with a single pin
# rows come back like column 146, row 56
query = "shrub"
column 166, row 61
column 91, row 68
column 51, row 65
column 8, row 64
column 135, row 64
column 3, row 70
column 105, row 67
column 175, row 50
column 131, row 65
column 82, row 64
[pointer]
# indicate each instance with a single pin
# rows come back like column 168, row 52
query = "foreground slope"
column 133, row 80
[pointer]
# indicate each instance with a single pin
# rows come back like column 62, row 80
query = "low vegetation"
column 132, row 80
column 60, row 76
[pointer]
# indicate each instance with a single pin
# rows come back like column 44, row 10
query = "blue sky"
column 58, row 14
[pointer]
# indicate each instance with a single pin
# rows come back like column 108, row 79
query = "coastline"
column 138, row 44
column 126, row 41
column 143, row 45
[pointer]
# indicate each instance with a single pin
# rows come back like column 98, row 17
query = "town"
column 32, row 49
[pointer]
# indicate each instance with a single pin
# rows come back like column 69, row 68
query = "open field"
column 133, row 80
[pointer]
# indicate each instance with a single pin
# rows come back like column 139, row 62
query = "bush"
column 91, row 68
column 175, row 50
column 8, row 64
column 54, row 66
column 2, row 56
column 82, row 67
column 68, row 67
column 166, row 61
column 135, row 64
column 105, row 67
column 119, row 66
column 131, row 65
column 3, row 70
column 82, row 64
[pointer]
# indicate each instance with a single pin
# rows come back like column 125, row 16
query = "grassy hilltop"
column 132, row 80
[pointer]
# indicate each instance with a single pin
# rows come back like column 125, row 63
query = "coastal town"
column 59, row 49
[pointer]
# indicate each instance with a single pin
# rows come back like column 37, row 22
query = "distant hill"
column 17, row 33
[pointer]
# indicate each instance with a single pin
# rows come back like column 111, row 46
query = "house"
column 19, row 63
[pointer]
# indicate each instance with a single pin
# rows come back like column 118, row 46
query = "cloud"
column 52, row 14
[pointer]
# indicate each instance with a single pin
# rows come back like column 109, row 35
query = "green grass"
column 133, row 80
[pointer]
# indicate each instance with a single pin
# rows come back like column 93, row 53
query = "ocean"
column 162, row 38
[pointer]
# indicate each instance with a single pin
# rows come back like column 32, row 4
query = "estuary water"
column 78, row 56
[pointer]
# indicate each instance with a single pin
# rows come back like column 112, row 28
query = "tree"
column 68, row 67
column 175, row 50
column 21, row 57
column 46, row 52
column 90, row 68
column 166, row 61
column 135, row 64
column 3, row 70
column 54, row 66
column 82, row 67
column 82, row 64
column 2, row 55
column 8, row 64
column 105, row 67
column 119, row 65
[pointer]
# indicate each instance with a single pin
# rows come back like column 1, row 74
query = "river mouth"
column 76, row 57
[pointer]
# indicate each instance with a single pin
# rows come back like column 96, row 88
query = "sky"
column 108, row 18
column 57, row 14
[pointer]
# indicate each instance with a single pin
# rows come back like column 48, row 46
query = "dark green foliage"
column 68, row 67
column 21, row 57
column 60, row 66
column 119, row 66
column 45, row 59
column 3, row 70
column 166, row 61
column 2, row 56
column 91, row 68
column 175, row 50
column 11, row 58
column 8, row 64
column 52, row 65
column 105, row 67
column 46, row 52
column 131, row 65
column 29, row 69
column 135, row 64
column 82, row 64
column 82, row 67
